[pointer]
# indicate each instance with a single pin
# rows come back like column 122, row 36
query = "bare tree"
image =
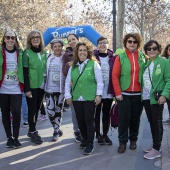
column 120, row 22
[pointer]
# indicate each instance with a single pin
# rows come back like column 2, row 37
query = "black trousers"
column 129, row 112
column 34, row 104
column 105, row 106
column 154, row 114
column 11, row 103
column 85, row 111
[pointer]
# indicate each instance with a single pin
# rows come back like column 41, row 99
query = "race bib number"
column 11, row 77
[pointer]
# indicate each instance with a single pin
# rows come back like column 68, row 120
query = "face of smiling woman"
column 57, row 48
column 10, row 40
column 72, row 41
column 82, row 53
column 35, row 40
column 152, row 51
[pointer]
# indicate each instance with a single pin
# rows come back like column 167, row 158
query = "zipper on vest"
column 134, row 67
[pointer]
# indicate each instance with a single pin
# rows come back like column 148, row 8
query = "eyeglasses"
column 130, row 42
column 152, row 48
column 35, row 38
column 100, row 43
column 10, row 37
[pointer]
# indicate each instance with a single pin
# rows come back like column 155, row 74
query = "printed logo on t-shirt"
column 11, row 73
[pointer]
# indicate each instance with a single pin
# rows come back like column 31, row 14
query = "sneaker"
column 29, row 134
column 83, row 144
column 107, row 140
column 89, row 149
column 152, row 154
column 78, row 137
column 25, row 124
column 99, row 139
column 36, row 138
column 148, row 149
column 55, row 136
column 166, row 121
column 17, row 144
column 42, row 117
column 60, row 133
column 10, row 143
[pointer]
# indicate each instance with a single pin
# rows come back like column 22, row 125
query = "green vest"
column 20, row 68
column 86, row 85
column 125, row 76
column 160, row 77
column 36, row 68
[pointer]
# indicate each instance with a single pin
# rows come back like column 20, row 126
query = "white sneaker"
column 152, row 154
column 25, row 124
column 148, row 149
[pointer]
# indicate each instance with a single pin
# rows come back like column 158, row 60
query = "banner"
column 62, row 32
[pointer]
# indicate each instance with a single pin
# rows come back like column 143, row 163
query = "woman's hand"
column 162, row 100
column 69, row 101
column 70, row 63
column 97, row 100
column 119, row 97
column 28, row 94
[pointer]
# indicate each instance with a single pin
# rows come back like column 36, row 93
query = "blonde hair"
column 30, row 35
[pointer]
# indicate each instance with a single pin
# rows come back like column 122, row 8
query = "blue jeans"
column 24, row 108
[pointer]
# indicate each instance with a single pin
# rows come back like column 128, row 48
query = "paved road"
column 66, row 155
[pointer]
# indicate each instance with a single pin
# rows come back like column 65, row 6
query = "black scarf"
column 36, row 50
column 103, row 54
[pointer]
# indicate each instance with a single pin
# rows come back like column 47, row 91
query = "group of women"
column 88, row 81
column 140, row 80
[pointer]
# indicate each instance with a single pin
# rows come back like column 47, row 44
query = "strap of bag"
column 48, row 56
column 79, row 77
column 150, row 77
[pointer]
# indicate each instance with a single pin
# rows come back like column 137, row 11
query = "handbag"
column 157, row 93
column 114, row 115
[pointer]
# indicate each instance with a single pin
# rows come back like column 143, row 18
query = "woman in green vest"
column 166, row 54
column 11, row 87
column 85, row 80
column 155, row 80
column 126, row 82
column 34, row 63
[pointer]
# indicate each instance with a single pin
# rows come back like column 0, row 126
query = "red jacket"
column 134, row 85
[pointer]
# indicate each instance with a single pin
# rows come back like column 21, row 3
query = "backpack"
column 114, row 115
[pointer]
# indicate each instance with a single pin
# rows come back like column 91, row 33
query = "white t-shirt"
column 146, row 82
column 10, row 83
column 53, row 84
column 105, row 72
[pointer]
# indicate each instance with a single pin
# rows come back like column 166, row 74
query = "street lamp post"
column 114, row 25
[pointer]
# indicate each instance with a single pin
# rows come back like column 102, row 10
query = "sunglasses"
column 130, row 42
column 35, row 38
column 102, row 43
column 152, row 48
column 10, row 37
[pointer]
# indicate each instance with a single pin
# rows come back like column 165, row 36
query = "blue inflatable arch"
column 62, row 32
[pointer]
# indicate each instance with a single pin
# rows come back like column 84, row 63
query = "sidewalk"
column 66, row 155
